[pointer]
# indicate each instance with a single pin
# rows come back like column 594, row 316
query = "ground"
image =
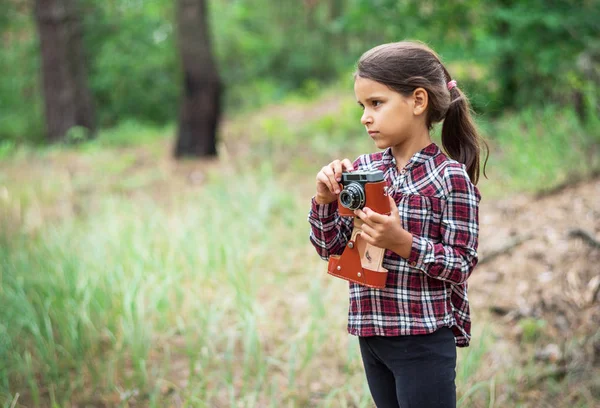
column 539, row 278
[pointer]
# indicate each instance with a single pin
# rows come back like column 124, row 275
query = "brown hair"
column 407, row 65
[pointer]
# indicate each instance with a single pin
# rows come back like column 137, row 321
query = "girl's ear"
column 421, row 100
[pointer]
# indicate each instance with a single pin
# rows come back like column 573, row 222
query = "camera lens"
column 353, row 196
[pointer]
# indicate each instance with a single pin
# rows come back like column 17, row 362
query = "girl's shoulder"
column 455, row 176
column 449, row 166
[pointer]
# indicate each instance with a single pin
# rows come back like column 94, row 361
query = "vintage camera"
column 363, row 189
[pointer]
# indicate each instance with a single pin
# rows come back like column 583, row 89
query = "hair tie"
column 451, row 84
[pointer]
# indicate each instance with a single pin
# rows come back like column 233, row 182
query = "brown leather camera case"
column 360, row 262
column 376, row 199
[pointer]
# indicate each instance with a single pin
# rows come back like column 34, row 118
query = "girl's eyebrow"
column 371, row 98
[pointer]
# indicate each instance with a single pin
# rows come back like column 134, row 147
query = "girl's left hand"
column 385, row 231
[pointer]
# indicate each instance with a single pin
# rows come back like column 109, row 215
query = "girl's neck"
column 403, row 152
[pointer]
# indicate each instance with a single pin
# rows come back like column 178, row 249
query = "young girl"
column 408, row 332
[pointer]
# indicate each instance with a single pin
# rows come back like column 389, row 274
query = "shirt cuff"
column 324, row 210
column 419, row 251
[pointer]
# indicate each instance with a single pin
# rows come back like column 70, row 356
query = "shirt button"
column 413, row 263
column 402, row 171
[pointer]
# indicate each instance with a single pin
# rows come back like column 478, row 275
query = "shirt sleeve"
column 329, row 232
column 454, row 258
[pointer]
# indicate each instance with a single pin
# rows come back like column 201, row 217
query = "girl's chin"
column 381, row 144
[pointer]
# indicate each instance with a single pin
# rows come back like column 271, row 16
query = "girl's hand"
column 385, row 231
column 328, row 180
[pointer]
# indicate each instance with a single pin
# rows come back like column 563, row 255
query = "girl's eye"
column 376, row 103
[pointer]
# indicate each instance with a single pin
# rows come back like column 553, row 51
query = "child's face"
column 387, row 115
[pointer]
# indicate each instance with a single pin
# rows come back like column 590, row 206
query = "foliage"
column 21, row 111
column 133, row 60
column 538, row 149
column 544, row 51
column 505, row 53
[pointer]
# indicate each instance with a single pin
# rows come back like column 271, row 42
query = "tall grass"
column 215, row 299
column 537, row 149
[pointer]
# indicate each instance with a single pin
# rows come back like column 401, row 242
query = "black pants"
column 411, row 371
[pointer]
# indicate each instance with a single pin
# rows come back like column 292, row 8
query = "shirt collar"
column 419, row 157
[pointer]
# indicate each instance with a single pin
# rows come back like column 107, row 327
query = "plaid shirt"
column 438, row 205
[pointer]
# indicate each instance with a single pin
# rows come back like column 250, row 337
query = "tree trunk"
column 67, row 97
column 201, row 100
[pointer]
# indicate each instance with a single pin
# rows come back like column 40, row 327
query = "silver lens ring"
column 353, row 196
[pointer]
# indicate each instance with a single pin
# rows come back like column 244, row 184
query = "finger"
column 367, row 238
column 360, row 214
column 337, row 170
column 322, row 180
column 335, row 186
column 393, row 206
column 370, row 232
column 363, row 216
column 330, row 173
column 326, row 178
column 374, row 217
column 347, row 164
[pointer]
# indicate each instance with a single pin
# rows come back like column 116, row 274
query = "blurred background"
column 157, row 160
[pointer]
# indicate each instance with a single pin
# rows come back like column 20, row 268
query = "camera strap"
column 371, row 257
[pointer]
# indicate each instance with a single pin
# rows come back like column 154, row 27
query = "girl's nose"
column 365, row 119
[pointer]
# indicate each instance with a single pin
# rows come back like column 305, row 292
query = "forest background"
column 132, row 279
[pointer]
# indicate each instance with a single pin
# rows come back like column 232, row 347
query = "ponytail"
column 460, row 138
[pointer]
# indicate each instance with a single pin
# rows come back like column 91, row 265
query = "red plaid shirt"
column 438, row 205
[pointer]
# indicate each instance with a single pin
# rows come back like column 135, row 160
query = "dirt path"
column 538, row 281
column 536, row 248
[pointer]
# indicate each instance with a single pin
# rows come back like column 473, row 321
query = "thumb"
column 393, row 206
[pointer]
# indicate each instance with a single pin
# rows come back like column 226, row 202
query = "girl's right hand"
column 328, row 180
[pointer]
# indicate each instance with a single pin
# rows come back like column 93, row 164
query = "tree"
column 201, row 100
column 67, row 97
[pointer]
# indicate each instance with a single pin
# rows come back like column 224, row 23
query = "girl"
column 408, row 332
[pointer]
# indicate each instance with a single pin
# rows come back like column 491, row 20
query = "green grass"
column 538, row 149
column 110, row 292
column 131, row 133
column 218, row 300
